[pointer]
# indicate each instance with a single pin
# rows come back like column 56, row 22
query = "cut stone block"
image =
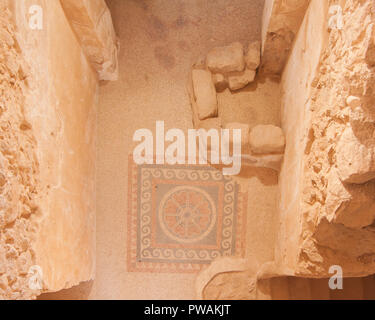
column 92, row 22
column 226, row 59
column 266, row 139
column 220, row 82
column 240, row 80
column 253, row 55
column 205, row 94
column 355, row 160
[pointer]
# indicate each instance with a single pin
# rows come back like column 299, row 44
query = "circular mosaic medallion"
column 187, row 214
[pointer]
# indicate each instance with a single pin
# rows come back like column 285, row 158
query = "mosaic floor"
column 180, row 218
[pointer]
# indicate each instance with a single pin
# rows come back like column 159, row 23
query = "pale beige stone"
column 92, row 23
column 351, row 205
column 355, row 159
column 267, row 139
column 253, row 55
column 226, row 59
column 205, row 94
column 240, row 80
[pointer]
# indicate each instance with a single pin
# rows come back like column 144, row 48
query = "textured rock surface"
column 204, row 93
column 267, row 139
column 281, row 22
column 226, row 59
column 19, row 168
column 324, row 220
column 49, row 96
column 240, row 80
column 92, row 23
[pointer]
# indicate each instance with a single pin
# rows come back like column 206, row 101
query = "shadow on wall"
column 80, row 292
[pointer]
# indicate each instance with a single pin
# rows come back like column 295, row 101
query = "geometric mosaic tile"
column 182, row 217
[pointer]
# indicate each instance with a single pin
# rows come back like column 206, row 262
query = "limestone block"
column 267, row 139
column 253, row 55
column 240, row 80
column 205, row 94
column 52, row 195
column 226, row 59
column 355, row 159
column 281, row 22
column 324, row 219
column 92, row 22
column 220, row 82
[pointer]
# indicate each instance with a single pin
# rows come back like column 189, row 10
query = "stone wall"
column 328, row 117
column 48, row 153
column 19, row 168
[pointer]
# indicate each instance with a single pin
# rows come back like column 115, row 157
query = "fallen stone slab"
column 252, row 58
column 204, row 94
column 352, row 205
column 265, row 139
column 226, row 59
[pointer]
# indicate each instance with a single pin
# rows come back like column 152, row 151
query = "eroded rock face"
column 205, row 94
column 19, row 180
column 355, row 158
column 266, row 139
column 226, row 59
column 326, row 217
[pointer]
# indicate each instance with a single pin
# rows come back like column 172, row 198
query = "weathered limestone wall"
column 327, row 187
column 51, row 170
column 19, row 169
